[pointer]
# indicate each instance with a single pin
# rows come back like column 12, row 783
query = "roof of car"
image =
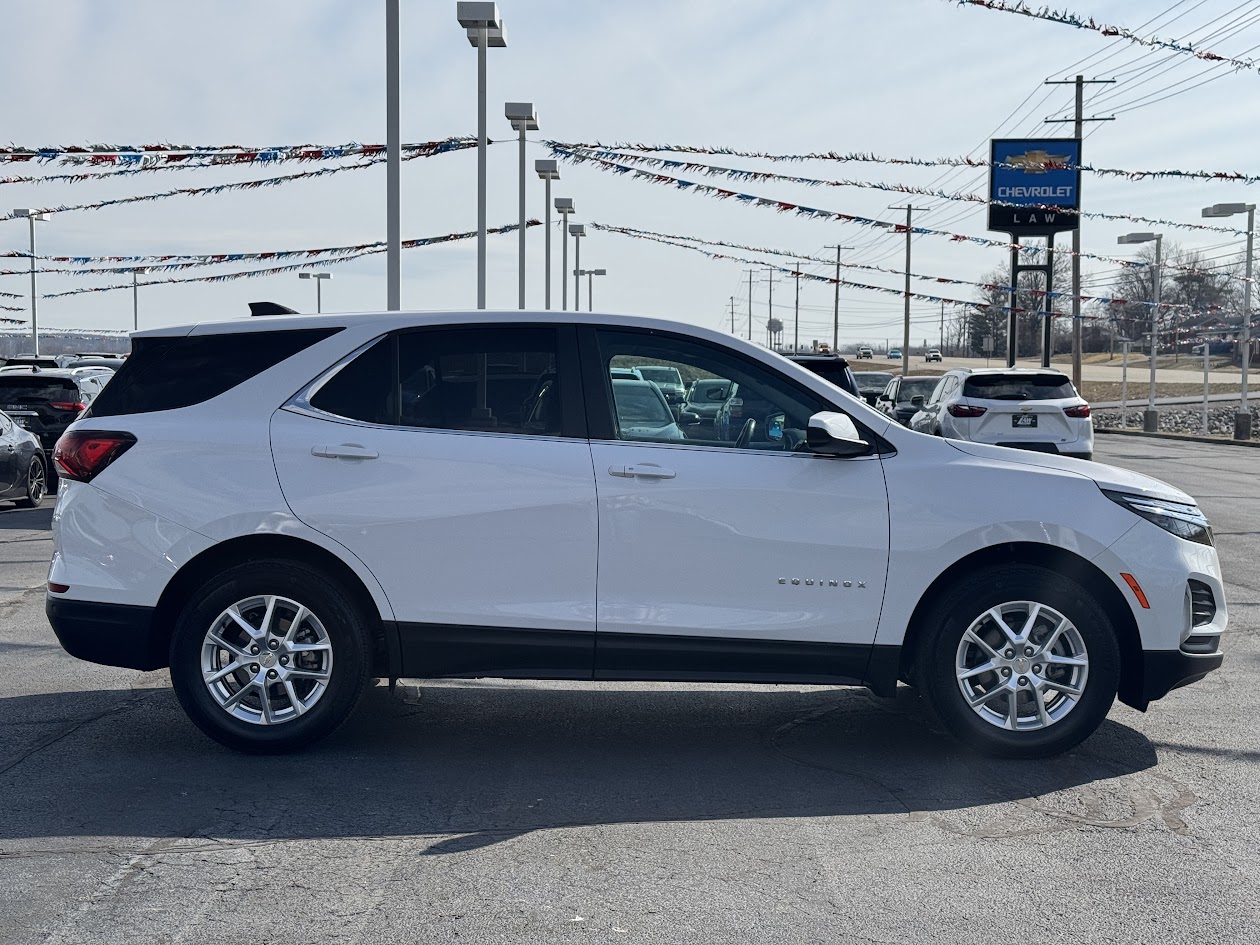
column 808, row 358
column 23, row 371
column 1006, row 370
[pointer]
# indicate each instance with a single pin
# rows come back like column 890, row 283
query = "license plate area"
column 1024, row 421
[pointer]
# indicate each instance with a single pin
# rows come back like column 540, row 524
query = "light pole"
column 135, row 302
column 31, row 217
column 1150, row 417
column 319, row 278
column 548, row 171
column 577, row 231
column 1242, row 419
column 485, row 29
column 564, row 206
column 590, row 273
column 393, row 164
column 523, row 118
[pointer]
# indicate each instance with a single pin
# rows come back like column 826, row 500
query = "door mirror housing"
column 834, row 434
column 917, row 401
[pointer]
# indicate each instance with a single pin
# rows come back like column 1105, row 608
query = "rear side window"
column 168, row 373
column 1018, row 387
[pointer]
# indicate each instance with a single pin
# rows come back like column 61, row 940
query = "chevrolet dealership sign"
column 1034, row 186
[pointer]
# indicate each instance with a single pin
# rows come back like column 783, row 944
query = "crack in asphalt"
column 70, row 730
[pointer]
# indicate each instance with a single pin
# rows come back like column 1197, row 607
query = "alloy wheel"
column 1022, row 666
column 266, row 660
column 35, row 483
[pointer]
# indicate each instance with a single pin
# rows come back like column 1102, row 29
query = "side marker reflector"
column 58, row 588
column 1136, row 588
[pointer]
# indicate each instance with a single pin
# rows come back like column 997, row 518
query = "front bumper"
column 1166, row 670
column 110, row 634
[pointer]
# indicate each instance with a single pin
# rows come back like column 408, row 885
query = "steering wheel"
column 746, row 434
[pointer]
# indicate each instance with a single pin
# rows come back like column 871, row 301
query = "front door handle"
column 344, row 451
column 645, row 471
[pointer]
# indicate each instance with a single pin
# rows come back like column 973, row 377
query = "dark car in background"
column 45, row 402
column 871, row 384
column 897, row 396
column 668, row 380
column 703, row 400
column 833, row 368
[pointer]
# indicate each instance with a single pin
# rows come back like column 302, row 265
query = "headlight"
column 1182, row 519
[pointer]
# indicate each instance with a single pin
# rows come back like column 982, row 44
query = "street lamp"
column 590, row 273
column 1242, row 419
column 31, row 217
column 547, row 170
column 523, row 119
column 1150, row 417
column 319, row 278
column 577, row 231
column 485, row 29
column 564, row 207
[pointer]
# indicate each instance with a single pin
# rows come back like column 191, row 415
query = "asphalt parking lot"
column 541, row 812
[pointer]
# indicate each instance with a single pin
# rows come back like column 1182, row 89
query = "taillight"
column 82, row 454
column 1080, row 412
column 965, row 410
column 68, row 405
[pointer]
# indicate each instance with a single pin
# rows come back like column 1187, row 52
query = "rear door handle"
column 344, row 451
column 646, row 471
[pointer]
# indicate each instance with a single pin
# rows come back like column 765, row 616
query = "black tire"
column 938, row 649
column 36, row 484
column 348, row 632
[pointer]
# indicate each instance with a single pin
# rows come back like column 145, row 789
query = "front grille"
column 1202, row 604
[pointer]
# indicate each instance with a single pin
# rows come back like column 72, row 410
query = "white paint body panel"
column 702, row 553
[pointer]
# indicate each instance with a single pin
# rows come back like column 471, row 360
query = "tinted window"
column 35, row 389
column 167, row 373
column 364, row 389
column 872, row 380
column 639, row 403
column 708, row 392
column 916, row 387
column 1018, row 387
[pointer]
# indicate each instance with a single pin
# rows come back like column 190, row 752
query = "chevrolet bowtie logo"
column 1037, row 162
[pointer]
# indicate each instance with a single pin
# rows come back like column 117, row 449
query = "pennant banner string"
column 223, row 188
column 783, row 206
column 1088, row 23
column 866, row 157
column 747, row 175
column 295, row 267
column 153, row 156
column 673, row 239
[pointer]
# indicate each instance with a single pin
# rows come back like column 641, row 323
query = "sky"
column 905, row 78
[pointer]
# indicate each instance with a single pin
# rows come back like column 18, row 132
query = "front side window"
column 915, row 387
column 756, row 407
column 499, row 379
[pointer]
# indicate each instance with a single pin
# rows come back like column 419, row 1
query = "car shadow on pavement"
column 469, row 765
column 12, row 517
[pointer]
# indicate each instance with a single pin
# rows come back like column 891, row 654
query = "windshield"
column 1018, row 387
column 640, row 405
column 916, row 387
column 868, row 380
column 708, row 392
column 30, row 390
column 661, row 375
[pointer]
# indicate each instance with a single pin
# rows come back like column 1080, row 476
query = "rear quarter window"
column 169, row 373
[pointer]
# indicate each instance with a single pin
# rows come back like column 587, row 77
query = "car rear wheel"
column 270, row 656
column 1019, row 662
column 36, row 484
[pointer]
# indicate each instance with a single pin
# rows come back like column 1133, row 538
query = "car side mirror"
column 885, row 398
column 688, row 419
column 917, row 401
column 834, row 434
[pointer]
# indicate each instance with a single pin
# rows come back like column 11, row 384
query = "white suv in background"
column 462, row 495
column 1026, row 408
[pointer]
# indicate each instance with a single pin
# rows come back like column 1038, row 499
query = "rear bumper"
column 1166, row 670
column 111, row 634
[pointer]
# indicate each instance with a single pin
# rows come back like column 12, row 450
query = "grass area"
column 1105, row 391
column 1184, row 362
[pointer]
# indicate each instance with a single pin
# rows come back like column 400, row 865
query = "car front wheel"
column 1019, row 661
column 270, row 656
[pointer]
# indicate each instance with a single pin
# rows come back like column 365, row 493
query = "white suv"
column 280, row 509
column 1025, row 408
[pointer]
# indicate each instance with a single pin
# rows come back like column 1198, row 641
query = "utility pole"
column 835, row 317
column 750, row 285
column 732, row 314
column 942, row 327
column 905, row 340
column 796, row 318
column 770, row 280
column 1080, row 82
